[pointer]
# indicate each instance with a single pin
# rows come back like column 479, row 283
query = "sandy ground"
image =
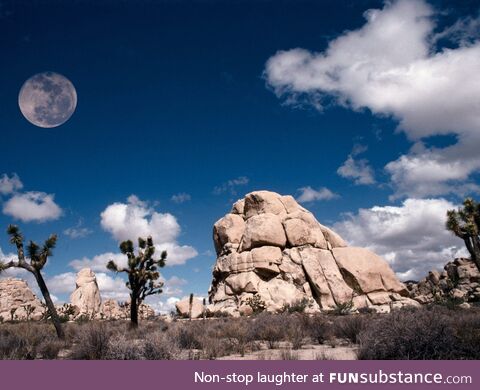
column 307, row 352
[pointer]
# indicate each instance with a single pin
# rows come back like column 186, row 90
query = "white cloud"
column 9, row 185
column 392, row 67
column 308, row 194
column 173, row 286
column 160, row 305
column 231, row 185
column 128, row 221
column 62, row 283
column 32, row 206
column 426, row 172
column 98, row 263
column 358, row 170
column 181, row 197
column 411, row 237
column 77, row 231
column 112, row 287
column 463, row 32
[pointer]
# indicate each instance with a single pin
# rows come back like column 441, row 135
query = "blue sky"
column 194, row 98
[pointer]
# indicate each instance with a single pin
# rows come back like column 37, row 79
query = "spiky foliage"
column 465, row 224
column 37, row 258
column 142, row 272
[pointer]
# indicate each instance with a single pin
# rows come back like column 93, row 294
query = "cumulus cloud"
column 181, row 197
column 128, row 221
column 9, row 185
column 358, row 170
column 231, row 185
column 431, row 171
column 411, row 237
column 98, row 263
column 161, row 305
column 173, row 286
column 32, row 206
column 77, row 231
column 393, row 66
column 62, row 283
column 308, row 194
column 463, row 32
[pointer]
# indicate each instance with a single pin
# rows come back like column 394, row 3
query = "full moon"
column 47, row 99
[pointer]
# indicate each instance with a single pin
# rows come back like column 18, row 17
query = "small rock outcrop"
column 183, row 307
column 86, row 296
column 270, row 246
column 112, row 310
column 17, row 300
column 460, row 279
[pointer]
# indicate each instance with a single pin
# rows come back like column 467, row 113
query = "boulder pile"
column 460, row 279
column 18, row 302
column 271, row 247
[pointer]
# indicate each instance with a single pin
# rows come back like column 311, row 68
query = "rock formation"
column 86, row 296
column 183, row 307
column 18, row 300
column 460, row 279
column 270, row 246
column 112, row 310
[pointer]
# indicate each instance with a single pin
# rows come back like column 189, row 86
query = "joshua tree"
column 465, row 223
column 190, row 306
column 38, row 257
column 29, row 309
column 142, row 273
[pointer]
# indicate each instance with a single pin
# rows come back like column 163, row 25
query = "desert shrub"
column 448, row 301
column 256, row 303
column 20, row 341
column 237, row 333
column 12, row 346
column 268, row 327
column 296, row 329
column 342, row 309
column 49, row 349
column 214, row 347
column 160, row 347
column 189, row 336
column 426, row 333
column 288, row 354
column 122, row 348
column 91, row 341
column 349, row 327
column 296, row 307
column 320, row 328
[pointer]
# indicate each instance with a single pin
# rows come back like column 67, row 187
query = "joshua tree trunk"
column 50, row 305
column 133, row 311
column 475, row 252
column 190, row 306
